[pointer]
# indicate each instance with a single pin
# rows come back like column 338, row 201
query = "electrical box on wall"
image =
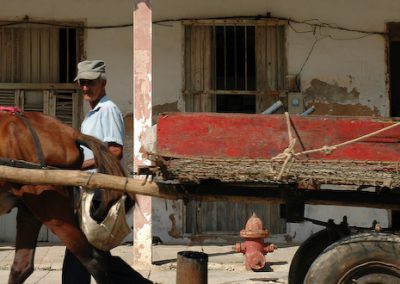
column 295, row 103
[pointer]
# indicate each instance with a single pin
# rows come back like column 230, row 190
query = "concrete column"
column 142, row 30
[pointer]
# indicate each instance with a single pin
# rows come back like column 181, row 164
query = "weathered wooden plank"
column 304, row 173
column 39, row 86
column 233, row 22
column 265, row 136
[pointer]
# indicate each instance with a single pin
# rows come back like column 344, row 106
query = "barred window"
column 233, row 66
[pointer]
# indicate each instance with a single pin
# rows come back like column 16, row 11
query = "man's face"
column 92, row 90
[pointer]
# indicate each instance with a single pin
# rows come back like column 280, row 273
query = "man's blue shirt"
column 104, row 122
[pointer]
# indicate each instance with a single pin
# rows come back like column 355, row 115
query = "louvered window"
column 37, row 67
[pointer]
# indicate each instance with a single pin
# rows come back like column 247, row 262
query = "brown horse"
column 51, row 205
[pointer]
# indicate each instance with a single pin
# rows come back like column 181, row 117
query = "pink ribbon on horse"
column 10, row 109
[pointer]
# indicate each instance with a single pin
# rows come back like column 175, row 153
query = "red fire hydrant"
column 254, row 247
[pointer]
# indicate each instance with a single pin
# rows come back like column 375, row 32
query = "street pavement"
column 224, row 265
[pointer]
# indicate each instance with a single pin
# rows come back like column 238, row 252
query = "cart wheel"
column 364, row 258
column 310, row 249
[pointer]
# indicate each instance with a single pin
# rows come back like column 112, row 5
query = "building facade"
column 214, row 56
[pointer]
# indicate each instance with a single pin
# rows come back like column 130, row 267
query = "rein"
column 38, row 147
column 22, row 164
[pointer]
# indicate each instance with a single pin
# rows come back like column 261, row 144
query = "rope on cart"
column 329, row 149
column 289, row 154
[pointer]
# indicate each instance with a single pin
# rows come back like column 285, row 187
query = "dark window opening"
column 235, row 67
column 68, row 55
column 235, row 57
column 236, row 103
column 396, row 219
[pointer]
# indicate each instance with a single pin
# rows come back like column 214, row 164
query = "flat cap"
column 91, row 69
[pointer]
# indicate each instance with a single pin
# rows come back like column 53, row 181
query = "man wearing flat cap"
column 105, row 122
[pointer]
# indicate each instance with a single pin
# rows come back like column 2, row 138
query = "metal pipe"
column 273, row 108
column 308, row 111
column 191, row 267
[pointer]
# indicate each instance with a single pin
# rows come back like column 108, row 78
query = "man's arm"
column 115, row 149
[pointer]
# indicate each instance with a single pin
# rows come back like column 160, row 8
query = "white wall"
column 167, row 63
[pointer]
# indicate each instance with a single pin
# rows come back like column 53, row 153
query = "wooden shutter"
column 29, row 54
column 270, row 64
column 63, row 105
column 7, row 98
column 198, row 69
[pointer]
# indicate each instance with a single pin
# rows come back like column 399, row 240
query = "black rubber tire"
column 364, row 258
column 310, row 249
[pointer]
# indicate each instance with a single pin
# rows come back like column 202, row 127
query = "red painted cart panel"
column 213, row 135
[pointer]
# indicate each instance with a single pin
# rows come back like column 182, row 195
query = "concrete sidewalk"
column 224, row 265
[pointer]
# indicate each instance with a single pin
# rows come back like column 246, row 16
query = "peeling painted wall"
column 162, row 108
column 332, row 99
column 128, row 146
column 168, row 220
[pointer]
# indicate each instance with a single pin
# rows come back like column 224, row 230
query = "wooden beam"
column 77, row 178
column 39, row 86
column 217, row 192
column 130, row 185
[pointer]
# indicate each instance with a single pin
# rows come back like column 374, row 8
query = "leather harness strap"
column 21, row 164
column 35, row 137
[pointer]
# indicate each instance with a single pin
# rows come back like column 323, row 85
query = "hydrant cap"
column 254, row 223
column 254, row 228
